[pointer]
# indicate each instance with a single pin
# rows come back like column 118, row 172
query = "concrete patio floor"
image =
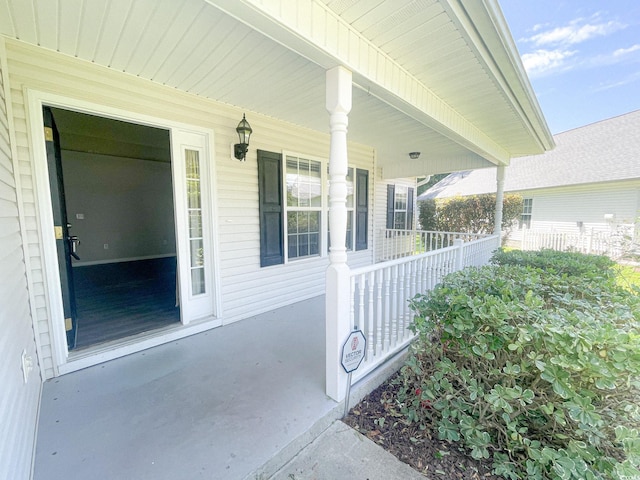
column 235, row 402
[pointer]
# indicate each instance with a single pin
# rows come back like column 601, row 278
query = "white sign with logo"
column 353, row 351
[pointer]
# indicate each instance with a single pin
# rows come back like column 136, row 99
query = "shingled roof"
column 604, row 151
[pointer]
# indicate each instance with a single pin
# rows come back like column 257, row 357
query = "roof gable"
column 604, row 151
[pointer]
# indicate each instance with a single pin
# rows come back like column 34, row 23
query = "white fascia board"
column 486, row 32
column 315, row 32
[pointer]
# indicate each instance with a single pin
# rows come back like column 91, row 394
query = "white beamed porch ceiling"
column 441, row 77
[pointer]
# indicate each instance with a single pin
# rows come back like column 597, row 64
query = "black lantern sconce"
column 244, row 132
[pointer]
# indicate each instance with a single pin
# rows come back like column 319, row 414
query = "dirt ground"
column 375, row 418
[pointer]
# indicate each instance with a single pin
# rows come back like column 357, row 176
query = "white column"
column 497, row 230
column 338, row 301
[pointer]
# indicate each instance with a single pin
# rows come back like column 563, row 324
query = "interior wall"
column 120, row 208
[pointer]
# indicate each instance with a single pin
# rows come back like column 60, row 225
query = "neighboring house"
column 137, row 103
column 589, row 183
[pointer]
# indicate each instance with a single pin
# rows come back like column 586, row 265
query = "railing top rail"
column 439, row 232
column 412, row 258
column 400, row 261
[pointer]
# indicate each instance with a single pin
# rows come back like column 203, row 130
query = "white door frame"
column 65, row 361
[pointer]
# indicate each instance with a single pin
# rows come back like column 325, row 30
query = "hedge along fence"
column 533, row 362
column 472, row 214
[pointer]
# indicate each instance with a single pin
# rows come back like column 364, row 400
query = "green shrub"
column 536, row 368
column 562, row 263
column 473, row 214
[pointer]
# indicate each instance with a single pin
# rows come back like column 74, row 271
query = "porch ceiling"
column 441, row 77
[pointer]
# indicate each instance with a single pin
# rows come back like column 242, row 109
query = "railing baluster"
column 387, row 308
column 401, row 294
column 419, row 272
column 407, row 288
column 361, row 318
column 394, row 303
column 352, row 314
column 379, row 277
column 370, row 329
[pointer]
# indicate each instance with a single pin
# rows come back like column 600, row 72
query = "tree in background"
column 472, row 214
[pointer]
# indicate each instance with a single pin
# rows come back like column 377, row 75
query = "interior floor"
column 118, row 300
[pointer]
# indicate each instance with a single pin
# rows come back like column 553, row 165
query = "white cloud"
column 632, row 78
column 544, row 61
column 556, row 48
column 574, row 33
column 538, row 26
column 624, row 51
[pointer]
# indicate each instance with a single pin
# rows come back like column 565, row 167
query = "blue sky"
column 582, row 57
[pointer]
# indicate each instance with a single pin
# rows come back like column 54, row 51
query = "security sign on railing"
column 353, row 351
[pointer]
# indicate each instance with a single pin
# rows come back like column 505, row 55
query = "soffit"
column 196, row 47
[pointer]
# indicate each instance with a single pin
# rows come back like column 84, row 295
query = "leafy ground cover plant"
column 534, row 363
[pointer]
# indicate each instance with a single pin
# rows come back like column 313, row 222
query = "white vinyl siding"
column 561, row 209
column 246, row 289
column 19, row 405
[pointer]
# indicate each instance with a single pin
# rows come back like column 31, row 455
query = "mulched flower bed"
column 376, row 418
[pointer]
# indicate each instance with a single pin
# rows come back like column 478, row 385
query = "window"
column 301, row 208
column 194, row 212
column 362, row 209
column 527, row 208
column 304, row 207
column 399, row 207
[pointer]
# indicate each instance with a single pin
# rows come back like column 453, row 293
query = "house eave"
column 379, row 75
column 486, row 30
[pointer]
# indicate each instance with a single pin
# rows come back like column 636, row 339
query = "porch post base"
column 338, row 299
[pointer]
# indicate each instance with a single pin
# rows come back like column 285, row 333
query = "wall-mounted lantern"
column 244, row 132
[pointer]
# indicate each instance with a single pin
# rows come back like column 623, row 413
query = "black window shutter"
column 391, row 198
column 362, row 208
column 409, row 225
column 270, row 204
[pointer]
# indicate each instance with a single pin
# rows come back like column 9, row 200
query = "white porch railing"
column 380, row 294
column 393, row 244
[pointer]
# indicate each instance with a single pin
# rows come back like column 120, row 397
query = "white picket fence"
column 380, row 294
column 613, row 243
